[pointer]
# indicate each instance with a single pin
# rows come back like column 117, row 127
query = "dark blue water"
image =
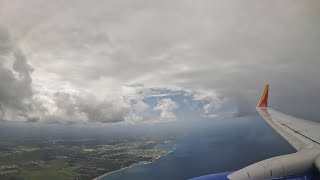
column 217, row 146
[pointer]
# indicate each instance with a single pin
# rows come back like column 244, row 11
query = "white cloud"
column 167, row 109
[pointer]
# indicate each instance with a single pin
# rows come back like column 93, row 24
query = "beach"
column 131, row 166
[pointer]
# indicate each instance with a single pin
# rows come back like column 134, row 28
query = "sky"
column 146, row 61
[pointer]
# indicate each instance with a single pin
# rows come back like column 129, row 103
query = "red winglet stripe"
column 264, row 97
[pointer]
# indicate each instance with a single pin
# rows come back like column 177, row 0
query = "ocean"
column 218, row 146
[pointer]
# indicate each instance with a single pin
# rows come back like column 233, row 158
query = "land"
column 72, row 159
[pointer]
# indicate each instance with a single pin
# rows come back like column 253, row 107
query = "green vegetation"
column 73, row 160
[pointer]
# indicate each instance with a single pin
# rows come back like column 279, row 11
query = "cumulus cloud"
column 19, row 102
column 166, row 106
column 87, row 108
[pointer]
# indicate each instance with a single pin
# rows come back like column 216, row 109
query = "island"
column 73, row 159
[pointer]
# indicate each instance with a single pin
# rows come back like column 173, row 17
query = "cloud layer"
column 84, row 61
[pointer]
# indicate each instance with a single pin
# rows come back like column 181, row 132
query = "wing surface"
column 301, row 134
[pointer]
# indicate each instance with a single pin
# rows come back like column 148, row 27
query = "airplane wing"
column 301, row 134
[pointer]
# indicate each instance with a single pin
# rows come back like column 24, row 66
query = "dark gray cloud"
column 33, row 119
column 15, row 87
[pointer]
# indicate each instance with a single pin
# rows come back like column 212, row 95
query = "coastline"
column 141, row 163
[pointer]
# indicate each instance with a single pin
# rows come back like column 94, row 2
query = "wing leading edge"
column 301, row 134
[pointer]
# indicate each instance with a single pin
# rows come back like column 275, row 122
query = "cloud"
column 222, row 51
column 19, row 102
column 15, row 77
column 21, row 66
column 6, row 44
column 83, row 108
column 166, row 106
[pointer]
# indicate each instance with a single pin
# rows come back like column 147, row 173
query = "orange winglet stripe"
column 264, row 98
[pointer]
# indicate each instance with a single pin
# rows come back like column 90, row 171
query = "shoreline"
column 141, row 163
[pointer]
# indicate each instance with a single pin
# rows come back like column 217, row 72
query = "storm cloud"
column 84, row 61
column 15, row 78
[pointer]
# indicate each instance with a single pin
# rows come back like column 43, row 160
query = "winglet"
column 264, row 98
